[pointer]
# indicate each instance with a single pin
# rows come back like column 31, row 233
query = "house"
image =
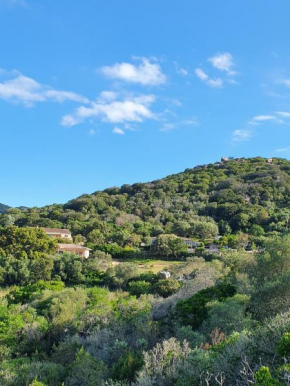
column 190, row 243
column 59, row 233
column 224, row 159
column 165, row 274
column 74, row 248
column 213, row 248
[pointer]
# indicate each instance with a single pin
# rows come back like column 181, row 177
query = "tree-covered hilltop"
column 238, row 196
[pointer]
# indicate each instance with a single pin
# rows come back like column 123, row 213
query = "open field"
column 154, row 266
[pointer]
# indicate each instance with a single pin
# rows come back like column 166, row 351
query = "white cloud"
column 117, row 130
column 284, row 114
column 223, row 62
column 92, row 132
column 215, row 82
column 69, row 120
column 201, row 74
column 167, row 127
column 107, row 96
column 258, row 119
column 134, row 109
column 241, row 135
column 205, row 78
column 180, row 70
column 145, row 73
column 25, row 90
column 190, row 122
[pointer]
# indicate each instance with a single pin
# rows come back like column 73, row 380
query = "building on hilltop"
column 74, row 248
column 59, row 233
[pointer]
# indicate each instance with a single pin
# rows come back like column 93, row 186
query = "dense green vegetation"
column 240, row 200
column 219, row 319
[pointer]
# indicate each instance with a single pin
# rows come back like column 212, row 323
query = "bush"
column 140, row 287
column 193, row 311
column 166, row 287
column 283, row 347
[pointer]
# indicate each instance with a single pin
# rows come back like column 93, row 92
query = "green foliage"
column 139, row 287
column 245, row 195
column 264, row 378
column 166, row 287
column 25, row 242
column 127, row 367
column 283, row 347
column 168, row 245
column 85, row 370
column 68, row 267
column 194, row 311
column 23, row 294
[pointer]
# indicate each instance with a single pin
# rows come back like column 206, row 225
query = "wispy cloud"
column 167, row 127
column 241, row 135
column 117, row 130
column 181, row 70
column 27, row 91
column 190, row 122
column 144, row 73
column 133, row 109
column 258, row 119
column 284, row 114
column 206, row 79
column 223, row 62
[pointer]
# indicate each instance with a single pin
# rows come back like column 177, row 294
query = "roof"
column 56, row 230
column 72, row 247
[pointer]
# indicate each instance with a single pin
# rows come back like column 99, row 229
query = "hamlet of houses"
column 84, row 252
column 65, row 247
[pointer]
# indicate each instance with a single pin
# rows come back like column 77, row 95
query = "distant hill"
column 251, row 196
column 3, row 208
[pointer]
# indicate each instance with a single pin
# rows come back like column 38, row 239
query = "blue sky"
column 95, row 94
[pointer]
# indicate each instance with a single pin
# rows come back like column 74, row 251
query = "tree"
column 274, row 260
column 169, row 245
column 166, row 287
column 29, row 242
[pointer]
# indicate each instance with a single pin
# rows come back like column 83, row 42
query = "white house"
column 73, row 248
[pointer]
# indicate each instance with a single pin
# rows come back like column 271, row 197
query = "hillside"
column 240, row 195
column 209, row 319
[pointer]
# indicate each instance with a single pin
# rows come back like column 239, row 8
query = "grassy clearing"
column 144, row 266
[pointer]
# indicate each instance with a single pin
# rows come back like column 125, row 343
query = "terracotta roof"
column 72, row 247
column 56, row 230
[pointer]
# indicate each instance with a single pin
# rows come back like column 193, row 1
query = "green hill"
column 209, row 319
column 225, row 198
